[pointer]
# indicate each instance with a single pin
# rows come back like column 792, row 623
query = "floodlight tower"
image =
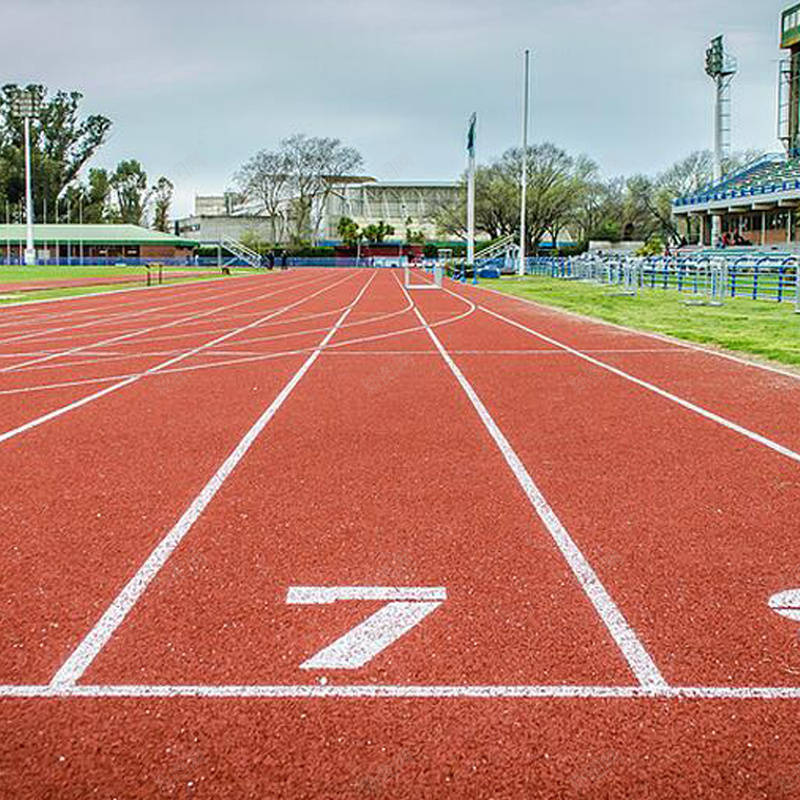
column 720, row 67
column 26, row 105
column 788, row 91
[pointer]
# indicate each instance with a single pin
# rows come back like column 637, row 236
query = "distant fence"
column 757, row 277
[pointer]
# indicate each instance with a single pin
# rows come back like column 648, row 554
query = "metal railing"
column 765, row 277
column 241, row 252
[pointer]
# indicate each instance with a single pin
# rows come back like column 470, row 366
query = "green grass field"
column 760, row 328
column 26, row 275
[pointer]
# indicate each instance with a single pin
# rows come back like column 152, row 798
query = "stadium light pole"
column 473, row 122
column 25, row 105
column 721, row 68
column 523, row 213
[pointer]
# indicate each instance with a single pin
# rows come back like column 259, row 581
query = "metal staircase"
column 506, row 249
column 242, row 252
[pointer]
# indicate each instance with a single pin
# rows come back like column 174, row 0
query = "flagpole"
column 523, row 214
column 471, row 201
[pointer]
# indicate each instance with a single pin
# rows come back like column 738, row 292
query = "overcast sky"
column 195, row 87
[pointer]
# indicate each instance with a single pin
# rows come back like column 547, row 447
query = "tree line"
column 62, row 144
column 569, row 193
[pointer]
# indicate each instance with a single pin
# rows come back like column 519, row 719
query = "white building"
column 403, row 205
column 406, row 206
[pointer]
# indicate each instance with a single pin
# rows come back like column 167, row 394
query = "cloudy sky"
column 194, row 87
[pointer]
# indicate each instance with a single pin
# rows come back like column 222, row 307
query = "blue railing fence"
column 766, row 277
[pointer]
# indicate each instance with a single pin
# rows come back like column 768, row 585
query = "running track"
column 313, row 535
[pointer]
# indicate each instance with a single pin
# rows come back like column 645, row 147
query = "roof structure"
column 772, row 180
column 93, row 234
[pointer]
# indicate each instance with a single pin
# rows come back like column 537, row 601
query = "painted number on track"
column 787, row 604
column 406, row 606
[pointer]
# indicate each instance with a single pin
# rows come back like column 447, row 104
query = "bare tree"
column 266, row 179
column 315, row 165
column 294, row 182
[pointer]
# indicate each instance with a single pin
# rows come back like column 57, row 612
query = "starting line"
column 535, row 692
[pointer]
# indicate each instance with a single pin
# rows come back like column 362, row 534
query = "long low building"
column 404, row 205
column 91, row 243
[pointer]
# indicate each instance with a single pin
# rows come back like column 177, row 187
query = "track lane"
column 19, row 417
column 366, row 478
column 85, row 500
column 678, row 512
column 761, row 399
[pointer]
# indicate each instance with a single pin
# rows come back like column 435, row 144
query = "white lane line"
column 166, row 311
column 142, row 331
column 33, row 303
column 651, row 387
column 239, row 361
column 18, row 313
column 639, row 660
column 102, row 319
column 75, row 666
column 661, row 337
column 58, row 412
column 399, row 691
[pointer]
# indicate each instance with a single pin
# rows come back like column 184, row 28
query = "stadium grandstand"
column 758, row 206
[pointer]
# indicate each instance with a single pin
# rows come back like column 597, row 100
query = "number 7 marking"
column 406, row 607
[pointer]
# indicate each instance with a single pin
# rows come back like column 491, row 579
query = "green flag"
column 473, row 121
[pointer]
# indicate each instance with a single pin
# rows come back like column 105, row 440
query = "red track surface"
column 378, row 462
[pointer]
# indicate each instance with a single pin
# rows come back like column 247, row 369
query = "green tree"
column 129, row 185
column 161, row 194
column 349, row 231
column 377, row 233
column 61, row 144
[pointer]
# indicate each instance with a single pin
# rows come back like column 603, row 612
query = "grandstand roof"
column 93, row 234
column 770, row 180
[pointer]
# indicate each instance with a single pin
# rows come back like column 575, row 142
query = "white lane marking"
column 22, row 306
column 101, row 320
column 141, row 331
column 651, row 387
column 406, row 607
column 58, row 412
column 787, row 604
column 236, row 361
column 679, row 343
column 155, row 315
column 639, row 660
column 411, row 691
column 75, row 666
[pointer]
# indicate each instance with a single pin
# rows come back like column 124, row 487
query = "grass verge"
column 760, row 328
